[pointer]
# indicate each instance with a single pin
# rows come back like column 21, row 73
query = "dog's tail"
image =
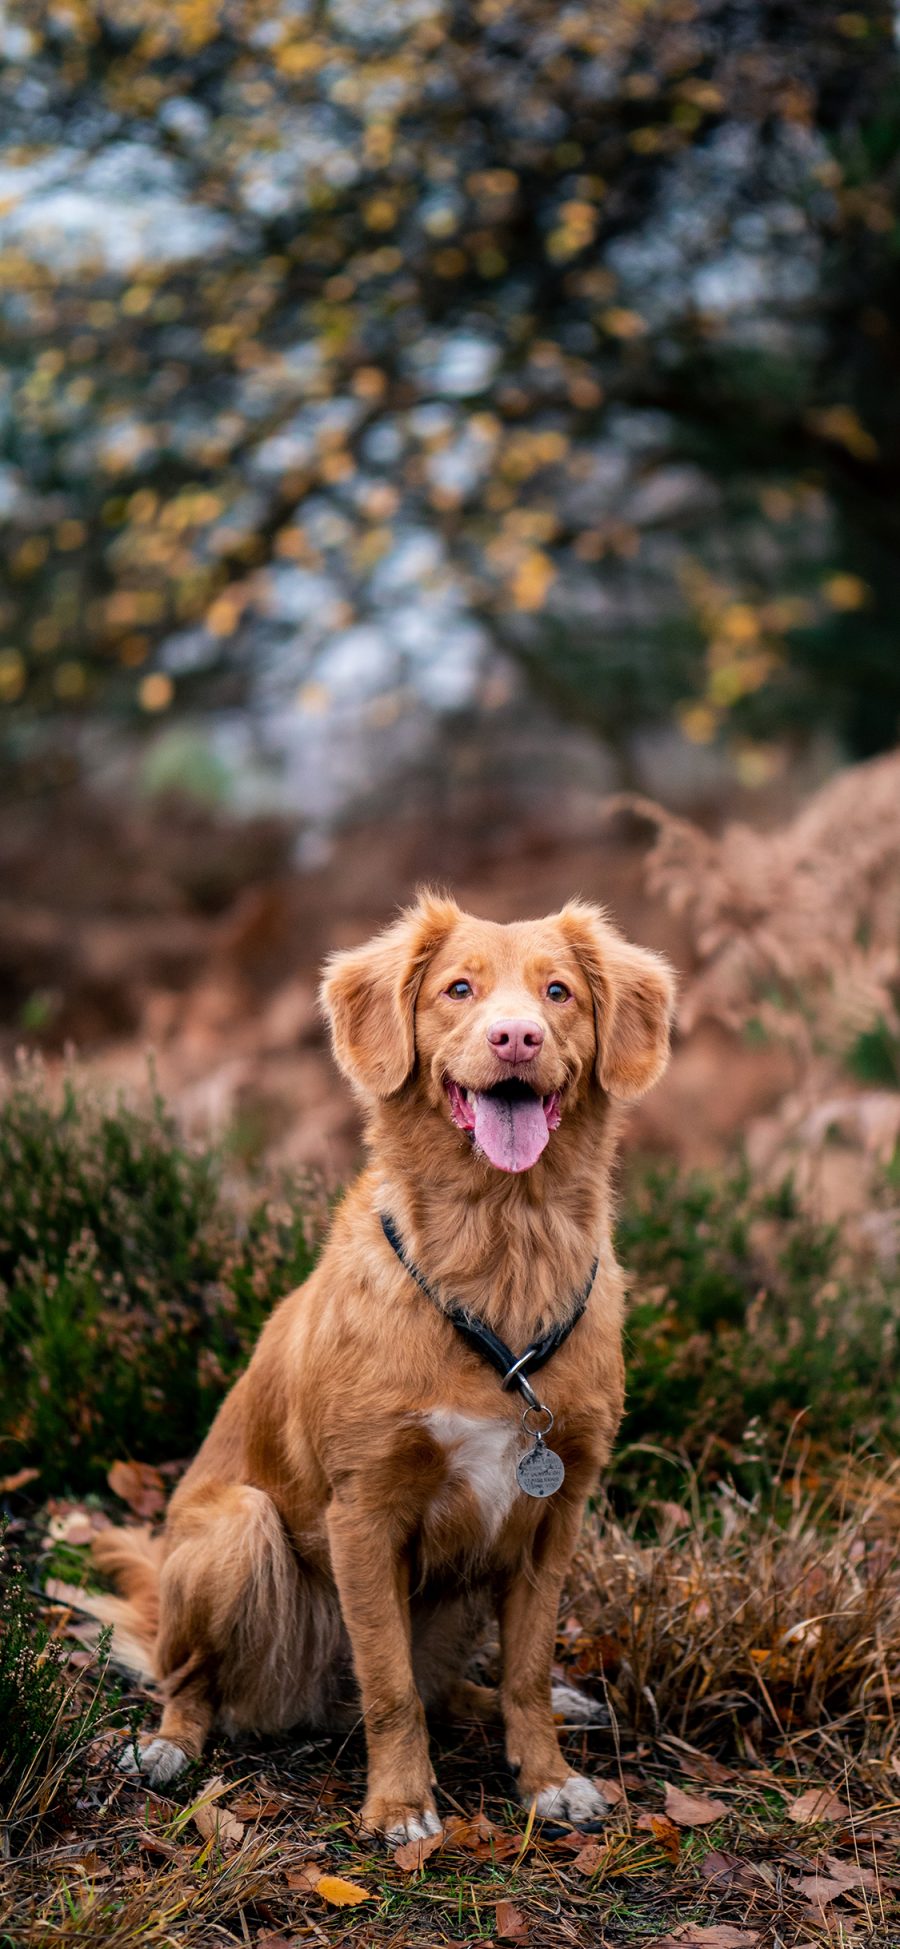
column 131, row 1557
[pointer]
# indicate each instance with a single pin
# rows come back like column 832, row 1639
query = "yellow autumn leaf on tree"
column 846, row 591
column 622, row 323
column 532, row 579
column 844, row 426
column 300, row 57
column 698, row 722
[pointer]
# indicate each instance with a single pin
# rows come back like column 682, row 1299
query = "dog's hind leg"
column 246, row 1634
column 445, row 1635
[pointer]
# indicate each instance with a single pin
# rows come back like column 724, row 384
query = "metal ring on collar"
column 539, row 1408
column 515, row 1374
column 527, row 1392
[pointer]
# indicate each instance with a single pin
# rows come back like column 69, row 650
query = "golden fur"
column 353, row 1503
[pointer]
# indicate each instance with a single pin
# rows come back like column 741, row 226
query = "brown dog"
column 356, row 1498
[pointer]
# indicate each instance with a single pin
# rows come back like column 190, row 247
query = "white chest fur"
column 481, row 1453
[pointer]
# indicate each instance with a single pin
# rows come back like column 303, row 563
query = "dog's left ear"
column 634, row 1002
column 369, row 996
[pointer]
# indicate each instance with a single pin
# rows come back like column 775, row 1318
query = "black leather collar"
column 482, row 1339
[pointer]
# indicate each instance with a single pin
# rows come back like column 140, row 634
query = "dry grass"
column 745, row 1652
column 751, row 1629
column 747, row 1648
column 798, row 929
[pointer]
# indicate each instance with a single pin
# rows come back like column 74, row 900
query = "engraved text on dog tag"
column 540, row 1472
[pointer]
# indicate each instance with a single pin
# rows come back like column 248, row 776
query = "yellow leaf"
column 844, row 426
column 12, row 675
column 155, row 693
column 698, row 723
column 342, row 1894
column 846, row 591
column 740, row 623
column 380, row 213
column 300, row 57
column 621, row 323
column 532, row 579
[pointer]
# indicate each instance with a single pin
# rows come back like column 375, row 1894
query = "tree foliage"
column 601, row 299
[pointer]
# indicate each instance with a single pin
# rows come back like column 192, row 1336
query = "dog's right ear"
column 369, row 995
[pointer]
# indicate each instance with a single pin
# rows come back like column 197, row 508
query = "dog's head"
column 502, row 1031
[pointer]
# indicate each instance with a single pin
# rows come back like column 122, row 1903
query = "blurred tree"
column 340, row 340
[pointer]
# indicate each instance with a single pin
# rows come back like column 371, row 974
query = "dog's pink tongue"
column 511, row 1134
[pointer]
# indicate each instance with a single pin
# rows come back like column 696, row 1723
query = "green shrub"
column 875, row 1057
column 742, row 1319
column 130, row 1293
column 46, row 1720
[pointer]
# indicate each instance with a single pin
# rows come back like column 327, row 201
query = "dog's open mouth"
column 510, row 1123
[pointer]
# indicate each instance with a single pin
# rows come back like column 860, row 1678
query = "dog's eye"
column 557, row 991
column 458, row 990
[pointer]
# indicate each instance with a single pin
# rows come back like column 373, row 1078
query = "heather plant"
column 134, row 1289
column 744, row 1325
column 130, row 1292
column 46, row 1719
column 734, row 1600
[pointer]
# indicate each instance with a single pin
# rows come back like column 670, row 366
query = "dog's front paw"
column 155, row 1761
column 575, row 1708
column 397, row 1822
column 574, row 1802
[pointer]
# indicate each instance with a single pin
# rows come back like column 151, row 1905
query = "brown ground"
column 129, row 931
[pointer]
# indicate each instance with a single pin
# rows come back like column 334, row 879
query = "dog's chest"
column 479, row 1453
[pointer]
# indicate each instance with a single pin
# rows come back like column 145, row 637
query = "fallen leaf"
column 305, row 1879
column 692, row 1809
column 413, row 1854
column 270, row 1941
column 10, row 1483
column 819, row 1890
column 152, row 1844
column 600, row 1654
column 589, row 1857
column 341, row 1894
column 664, row 1832
column 247, row 1807
column 612, row 1790
column 215, row 1822
column 91, row 1864
column 510, row 1924
column 830, row 1886
column 817, row 1804
column 714, row 1935
column 480, row 1836
column 701, row 1766
column 850, row 1873
column 140, row 1486
column 729, row 1871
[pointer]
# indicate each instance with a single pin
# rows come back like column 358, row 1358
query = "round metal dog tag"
column 540, row 1472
